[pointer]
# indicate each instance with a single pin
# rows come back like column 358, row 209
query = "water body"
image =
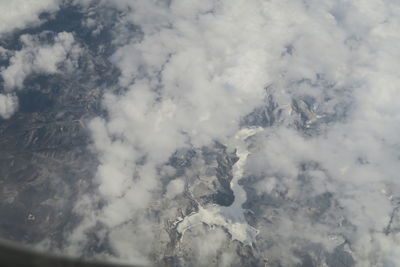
column 231, row 217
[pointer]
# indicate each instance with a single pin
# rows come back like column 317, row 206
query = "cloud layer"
column 326, row 74
column 318, row 78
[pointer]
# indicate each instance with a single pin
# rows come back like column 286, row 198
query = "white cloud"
column 208, row 246
column 8, row 105
column 38, row 58
column 175, row 187
column 201, row 67
column 18, row 14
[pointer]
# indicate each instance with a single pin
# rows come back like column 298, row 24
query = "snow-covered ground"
column 232, row 217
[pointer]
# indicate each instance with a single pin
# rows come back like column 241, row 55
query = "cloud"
column 35, row 57
column 19, row 13
column 184, row 88
column 8, row 105
column 175, row 187
column 60, row 53
column 319, row 77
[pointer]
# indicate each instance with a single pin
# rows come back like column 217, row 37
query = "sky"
column 323, row 73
